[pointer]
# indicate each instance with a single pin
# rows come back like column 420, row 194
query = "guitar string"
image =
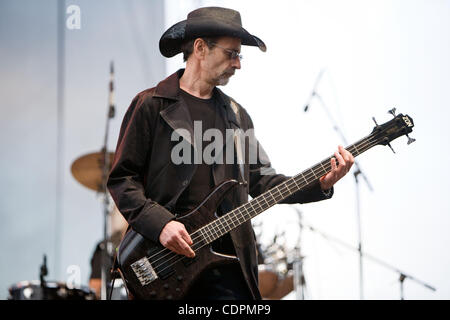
column 364, row 147
column 367, row 144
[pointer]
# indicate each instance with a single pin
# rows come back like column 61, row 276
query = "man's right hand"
column 175, row 237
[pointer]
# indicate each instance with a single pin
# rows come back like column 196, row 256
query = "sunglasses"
column 232, row 54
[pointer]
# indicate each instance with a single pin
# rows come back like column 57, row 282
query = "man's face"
column 218, row 66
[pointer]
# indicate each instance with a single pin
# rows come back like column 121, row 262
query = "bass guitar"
column 151, row 271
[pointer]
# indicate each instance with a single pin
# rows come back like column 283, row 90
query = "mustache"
column 228, row 72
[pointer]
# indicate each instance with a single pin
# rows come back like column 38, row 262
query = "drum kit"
column 49, row 290
column 276, row 274
column 88, row 170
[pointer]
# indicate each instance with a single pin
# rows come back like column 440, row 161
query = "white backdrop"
column 376, row 55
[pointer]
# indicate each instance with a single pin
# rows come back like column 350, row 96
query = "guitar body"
column 174, row 274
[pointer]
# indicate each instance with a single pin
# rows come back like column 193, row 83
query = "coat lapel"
column 179, row 119
column 225, row 119
column 231, row 122
column 177, row 113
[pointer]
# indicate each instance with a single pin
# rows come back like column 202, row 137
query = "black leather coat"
column 145, row 184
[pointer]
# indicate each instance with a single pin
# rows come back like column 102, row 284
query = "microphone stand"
column 297, row 266
column 402, row 275
column 106, row 260
column 357, row 171
column 42, row 274
column 313, row 92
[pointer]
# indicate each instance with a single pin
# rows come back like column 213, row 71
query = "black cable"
column 113, row 278
column 108, row 297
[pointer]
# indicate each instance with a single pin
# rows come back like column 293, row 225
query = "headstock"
column 399, row 126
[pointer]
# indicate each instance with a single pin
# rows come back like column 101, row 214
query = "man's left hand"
column 345, row 160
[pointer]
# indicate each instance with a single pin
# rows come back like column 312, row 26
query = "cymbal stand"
column 401, row 279
column 300, row 287
column 106, row 203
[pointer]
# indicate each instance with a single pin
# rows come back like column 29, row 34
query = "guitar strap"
column 238, row 141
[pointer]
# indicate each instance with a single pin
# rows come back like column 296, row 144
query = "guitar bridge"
column 144, row 271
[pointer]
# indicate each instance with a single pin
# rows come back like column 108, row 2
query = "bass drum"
column 51, row 290
column 267, row 279
column 272, row 285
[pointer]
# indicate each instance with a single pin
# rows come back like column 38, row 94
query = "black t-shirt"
column 202, row 183
column 203, row 110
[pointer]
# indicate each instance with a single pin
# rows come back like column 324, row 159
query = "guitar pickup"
column 188, row 261
column 164, row 269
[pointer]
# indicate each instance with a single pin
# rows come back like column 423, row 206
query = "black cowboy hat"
column 207, row 22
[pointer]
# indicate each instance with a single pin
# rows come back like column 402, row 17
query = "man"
column 151, row 189
column 118, row 229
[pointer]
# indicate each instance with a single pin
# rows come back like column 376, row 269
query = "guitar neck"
column 264, row 201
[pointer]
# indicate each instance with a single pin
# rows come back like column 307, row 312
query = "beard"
column 224, row 77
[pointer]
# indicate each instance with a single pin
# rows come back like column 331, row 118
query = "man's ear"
column 200, row 48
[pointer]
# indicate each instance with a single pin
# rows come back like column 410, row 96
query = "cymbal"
column 88, row 169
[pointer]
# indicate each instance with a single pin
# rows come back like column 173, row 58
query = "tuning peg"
column 410, row 140
column 392, row 111
column 391, row 147
column 373, row 118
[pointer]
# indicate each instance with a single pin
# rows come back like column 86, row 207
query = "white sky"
column 376, row 55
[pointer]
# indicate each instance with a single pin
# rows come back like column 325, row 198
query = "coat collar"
column 177, row 114
column 169, row 88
